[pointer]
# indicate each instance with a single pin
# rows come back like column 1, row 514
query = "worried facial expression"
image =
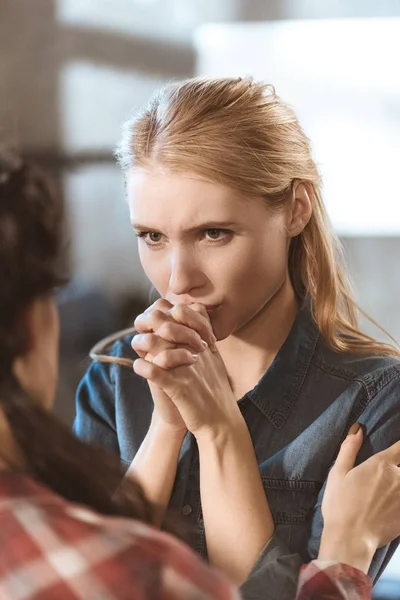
column 203, row 242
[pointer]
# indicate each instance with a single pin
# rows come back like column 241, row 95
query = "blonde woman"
column 250, row 369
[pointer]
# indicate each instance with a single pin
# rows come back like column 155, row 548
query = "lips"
column 212, row 309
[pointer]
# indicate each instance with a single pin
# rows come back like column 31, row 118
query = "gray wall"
column 375, row 268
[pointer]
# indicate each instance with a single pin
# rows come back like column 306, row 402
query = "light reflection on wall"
column 341, row 76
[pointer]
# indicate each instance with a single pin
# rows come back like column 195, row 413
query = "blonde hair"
column 239, row 133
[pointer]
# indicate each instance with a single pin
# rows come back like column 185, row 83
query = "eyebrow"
column 200, row 226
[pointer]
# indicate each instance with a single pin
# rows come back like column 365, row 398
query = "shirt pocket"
column 292, row 503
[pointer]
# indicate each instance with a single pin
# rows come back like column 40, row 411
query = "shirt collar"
column 278, row 389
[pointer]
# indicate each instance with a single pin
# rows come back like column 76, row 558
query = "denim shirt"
column 297, row 415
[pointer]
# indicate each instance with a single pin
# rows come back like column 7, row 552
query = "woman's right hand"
column 361, row 505
column 159, row 330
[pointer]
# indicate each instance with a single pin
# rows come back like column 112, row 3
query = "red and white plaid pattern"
column 51, row 549
column 333, row 581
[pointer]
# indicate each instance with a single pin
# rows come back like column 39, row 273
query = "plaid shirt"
column 333, row 581
column 51, row 549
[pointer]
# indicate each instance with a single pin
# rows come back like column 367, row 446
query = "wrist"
column 169, row 431
column 347, row 547
column 221, row 434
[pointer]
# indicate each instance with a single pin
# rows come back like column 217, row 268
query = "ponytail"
column 58, row 460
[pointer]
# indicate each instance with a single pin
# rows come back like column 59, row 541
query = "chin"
column 222, row 330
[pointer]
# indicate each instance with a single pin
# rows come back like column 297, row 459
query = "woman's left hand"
column 201, row 391
column 361, row 505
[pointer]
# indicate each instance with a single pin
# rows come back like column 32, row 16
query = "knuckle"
column 185, row 355
column 138, row 322
column 155, row 313
column 154, row 317
column 165, row 360
column 141, row 367
column 148, row 368
column 179, row 310
column 380, row 466
column 200, row 309
column 194, row 335
column 197, row 306
column 149, row 341
column 137, row 341
column 380, row 460
column 162, row 304
column 166, row 329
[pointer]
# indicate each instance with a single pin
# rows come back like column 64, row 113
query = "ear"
column 300, row 209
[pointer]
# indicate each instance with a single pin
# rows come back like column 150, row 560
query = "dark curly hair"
column 32, row 266
column 31, row 223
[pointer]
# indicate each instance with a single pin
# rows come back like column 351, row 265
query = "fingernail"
column 213, row 348
column 205, row 345
column 194, row 356
column 354, row 429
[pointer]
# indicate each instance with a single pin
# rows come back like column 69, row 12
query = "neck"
column 249, row 352
column 10, row 455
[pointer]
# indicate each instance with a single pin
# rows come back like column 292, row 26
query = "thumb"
column 349, row 450
column 201, row 310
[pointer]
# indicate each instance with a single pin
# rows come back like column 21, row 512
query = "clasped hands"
column 186, row 374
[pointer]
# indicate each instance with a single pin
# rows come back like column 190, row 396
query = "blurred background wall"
column 72, row 70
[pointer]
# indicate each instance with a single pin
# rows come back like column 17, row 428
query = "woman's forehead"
column 183, row 198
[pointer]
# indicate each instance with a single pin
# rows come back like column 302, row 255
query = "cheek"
column 261, row 268
column 47, row 367
column 156, row 270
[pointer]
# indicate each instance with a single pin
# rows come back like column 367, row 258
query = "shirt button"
column 186, row 510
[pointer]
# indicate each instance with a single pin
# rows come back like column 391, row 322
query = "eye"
column 216, row 235
column 150, row 237
column 154, row 236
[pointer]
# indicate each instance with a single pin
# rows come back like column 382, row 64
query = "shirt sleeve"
column 321, row 580
column 274, row 575
column 95, row 408
column 381, row 421
column 276, row 572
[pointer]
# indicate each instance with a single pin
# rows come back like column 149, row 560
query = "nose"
column 185, row 274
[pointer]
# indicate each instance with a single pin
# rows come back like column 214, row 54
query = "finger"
column 176, row 357
column 176, row 333
column 149, row 343
column 201, row 309
column 156, row 374
column 161, row 304
column 157, row 309
column 150, row 371
column 348, row 452
column 392, row 454
column 150, row 320
column 185, row 315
